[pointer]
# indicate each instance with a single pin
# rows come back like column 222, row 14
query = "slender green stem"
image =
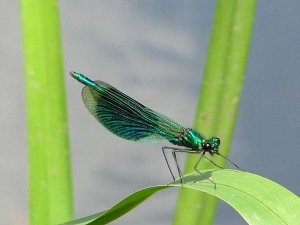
column 50, row 190
column 220, row 95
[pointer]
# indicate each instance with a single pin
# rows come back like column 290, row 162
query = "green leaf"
column 257, row 199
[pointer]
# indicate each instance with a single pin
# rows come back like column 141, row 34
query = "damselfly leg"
column 188, row 151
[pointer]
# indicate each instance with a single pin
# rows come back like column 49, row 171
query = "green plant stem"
column 50, row 189
column 220, row 95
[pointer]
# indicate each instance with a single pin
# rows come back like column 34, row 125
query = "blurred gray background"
column 155, row 52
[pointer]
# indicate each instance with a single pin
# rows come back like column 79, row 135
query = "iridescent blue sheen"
column 131, row 120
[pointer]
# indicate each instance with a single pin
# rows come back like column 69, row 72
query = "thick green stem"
column 50, row 189
column 220, row 95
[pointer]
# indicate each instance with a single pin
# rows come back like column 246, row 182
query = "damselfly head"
column 211, row 145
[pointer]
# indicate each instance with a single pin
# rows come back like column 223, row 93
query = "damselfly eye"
column 218, row 141
column 215, row 143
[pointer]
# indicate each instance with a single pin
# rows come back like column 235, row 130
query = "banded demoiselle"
column 129, row 119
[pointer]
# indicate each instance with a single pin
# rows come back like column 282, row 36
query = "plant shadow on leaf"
column 198, row 178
